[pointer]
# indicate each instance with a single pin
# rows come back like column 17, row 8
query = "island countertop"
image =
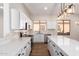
column 67, row 45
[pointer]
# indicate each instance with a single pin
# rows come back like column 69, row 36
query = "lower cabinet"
column 54, row 49
column 38, row 37
column 25, row 51
column 28, row 49
column 50, row 47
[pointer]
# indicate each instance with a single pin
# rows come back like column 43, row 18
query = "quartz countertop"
column 13, row 47
column 67, row 45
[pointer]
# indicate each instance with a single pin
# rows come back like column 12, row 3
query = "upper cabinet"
column 22, row 20
column 19, row 20
column 15, row 19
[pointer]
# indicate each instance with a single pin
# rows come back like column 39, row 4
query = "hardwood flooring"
column 39, row 49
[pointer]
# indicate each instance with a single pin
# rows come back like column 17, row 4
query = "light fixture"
column 69, row 9
column 61, row 15
column 45, row 8
column 1, row 7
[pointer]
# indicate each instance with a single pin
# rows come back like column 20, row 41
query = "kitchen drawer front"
column 51, row 48
column 61, row 53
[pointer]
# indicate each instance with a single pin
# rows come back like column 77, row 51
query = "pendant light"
column 70, row 9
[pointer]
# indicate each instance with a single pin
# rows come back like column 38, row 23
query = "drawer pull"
column 22, row 53
column 29, row 43
column 19, row 54
column 24, row 47
column 61, row 54
column 57, row 52
column 53, row 45
column 49, row 41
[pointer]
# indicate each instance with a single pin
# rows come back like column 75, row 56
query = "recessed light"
column 45, row 8
column 1, row 7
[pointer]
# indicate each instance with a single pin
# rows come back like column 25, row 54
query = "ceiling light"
column 45, row 8
column 1, row 7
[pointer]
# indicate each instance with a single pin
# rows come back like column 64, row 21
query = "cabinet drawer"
column 61, row 53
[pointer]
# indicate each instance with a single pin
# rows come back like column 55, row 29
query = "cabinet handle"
column 29, row 43
column 53, row 45
column 57, row 52
column 22, row 53
column 19, row 54
column 49, row 41
column 61, row 54
column 24, row 47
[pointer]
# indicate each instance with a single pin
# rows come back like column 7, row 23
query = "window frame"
column 63, row 22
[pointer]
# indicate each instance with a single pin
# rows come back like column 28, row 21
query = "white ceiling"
column 37, row 9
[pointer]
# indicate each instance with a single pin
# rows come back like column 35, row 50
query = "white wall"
column 74, row 32
column 51, row 24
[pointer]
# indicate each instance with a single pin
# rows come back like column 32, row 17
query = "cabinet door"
column 61, row 53
column 15, row 19
column 50, row 47
column 38, row 37
column 28, row 49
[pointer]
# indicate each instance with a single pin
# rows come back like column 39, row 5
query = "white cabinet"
column 15, row 19
column 28, row 49
column 54, row 49
column 22, row 20
column 25, row 50
column 38, row 37
column 50, row 47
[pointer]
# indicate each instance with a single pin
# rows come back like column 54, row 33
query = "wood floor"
column 39, row 49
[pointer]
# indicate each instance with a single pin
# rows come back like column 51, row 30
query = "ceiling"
column 37, row 9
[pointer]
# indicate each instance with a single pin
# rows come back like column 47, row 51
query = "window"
column 63, row 27
column 36, row 27
column 39, row 26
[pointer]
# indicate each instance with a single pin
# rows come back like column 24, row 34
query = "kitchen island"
column 63, row 46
